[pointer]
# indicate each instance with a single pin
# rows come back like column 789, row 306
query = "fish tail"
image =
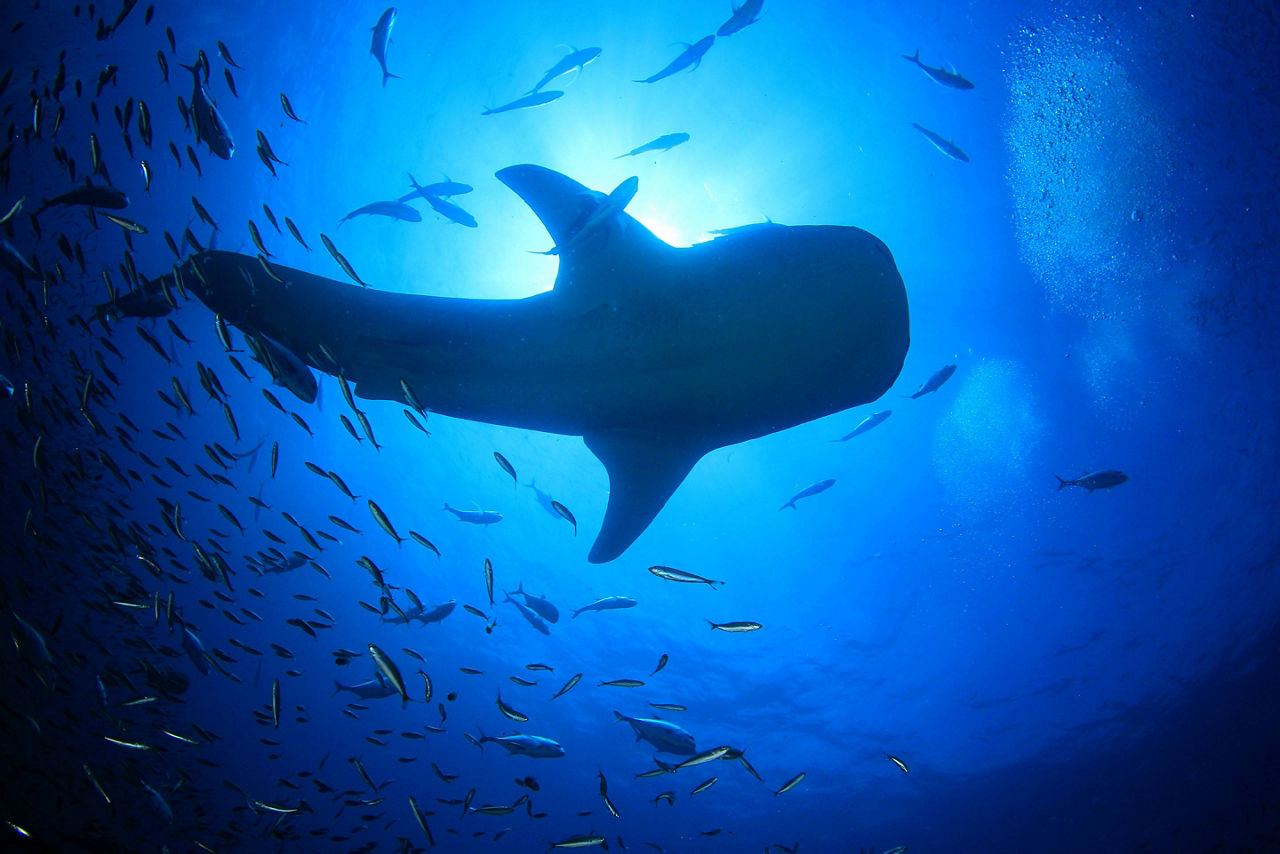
column 915, row 58
column 790, row 504
column 1061, row 483
column 519, row 588
column 387, row 74
column 337, row 686
column 712, row 625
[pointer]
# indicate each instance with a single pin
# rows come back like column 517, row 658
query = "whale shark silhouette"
column 655, row 355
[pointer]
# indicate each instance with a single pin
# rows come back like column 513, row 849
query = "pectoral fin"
column 643, row 472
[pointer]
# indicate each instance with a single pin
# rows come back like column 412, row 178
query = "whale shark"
column 654, row 354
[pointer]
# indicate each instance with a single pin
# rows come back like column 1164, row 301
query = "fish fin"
column 915, row 58
column 1061, row 483
column 337, row 686
column 564, row 206
column 387, row 74
column 644, row 470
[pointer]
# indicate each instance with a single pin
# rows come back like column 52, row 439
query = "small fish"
column 507, row 467
column 288, row 108
column 226, row 55
column 680, row 575
column 581, row 842
column 745, row 626
column 507, row 711
column 946, row 146
column 565, row 514
column 947, row 78
column 275, row 703
column 866, row 424
column 935, row 382
column 743, row 16
column 704, row 757
column 385, row 524
column 388, row 669
column 1098, row 480
column 337, row 256
column 790, row 784
column 821, row 486
column 293, row 229
column 622, row 683
column 691, row 58
column 534, row 99
column 568, row 686
column 902, row 766
column 662, row 662
column 381, row 39
column 703, row 786
column 662, row 143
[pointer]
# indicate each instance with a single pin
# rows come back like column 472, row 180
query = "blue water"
column 1059, row 670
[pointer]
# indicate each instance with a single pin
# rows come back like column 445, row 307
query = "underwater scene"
column 665, row 427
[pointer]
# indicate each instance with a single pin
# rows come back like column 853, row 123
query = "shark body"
column 655, row 355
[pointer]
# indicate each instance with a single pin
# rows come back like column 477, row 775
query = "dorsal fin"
column 644, row 469
column 607, row 256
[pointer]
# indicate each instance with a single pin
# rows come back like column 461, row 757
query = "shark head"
column 655, row 355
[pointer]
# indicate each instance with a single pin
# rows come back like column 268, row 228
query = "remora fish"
column 775, row 327
column 533, row 746
column 604, row 213
column 743, row 16
column 821, row 486
column 690, row 58
column 475, row 517
column 942, row 75
column 608, row 603
column 1097, row 480
column 666, row 142
column 946, row 146
column 866, row 424
column 382, row 38
column 534, row 99
column 665, row 736
column 210, row 127
column 577, row 59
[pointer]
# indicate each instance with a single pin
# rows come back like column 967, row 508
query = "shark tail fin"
column 519, row 588
column 387, row 74
column 915, row 58
column 337, row 686
column 1061, row 483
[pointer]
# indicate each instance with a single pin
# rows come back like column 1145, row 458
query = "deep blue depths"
column 1061, row 671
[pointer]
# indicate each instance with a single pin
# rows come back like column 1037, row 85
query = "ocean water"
column 958, row 655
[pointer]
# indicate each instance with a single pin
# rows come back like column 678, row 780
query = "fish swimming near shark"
column 866, row 424
column 533, row 99
column 381, row 40
column 540, row 604
column 944, row 145
column 947, row 78
column 665, row 736
column 533, row 746
column 666, row 142
column 691, row 58
column 475, row 517
column 820, row 486
column 373, row 689
column 655, row 355
column 89, row 195
column 745, row 15
column 934, row 382
column 528, row 613
column 575, row 60
column 210, row 127
column 393, row 209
